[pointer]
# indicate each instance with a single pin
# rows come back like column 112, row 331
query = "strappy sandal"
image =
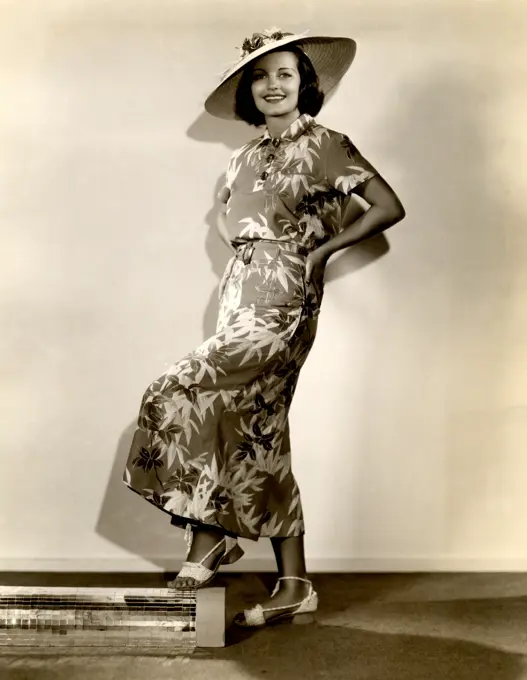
column 200, row 574
column 296, row 613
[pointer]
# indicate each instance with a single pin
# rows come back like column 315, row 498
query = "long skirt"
column 212, row 441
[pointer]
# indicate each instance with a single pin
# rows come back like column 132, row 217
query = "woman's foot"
column 288, row 593
column 204, row 541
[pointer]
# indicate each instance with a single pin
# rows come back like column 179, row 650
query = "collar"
column 293, row 132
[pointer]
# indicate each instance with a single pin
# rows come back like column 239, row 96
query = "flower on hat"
column 255, row 42
column 331, row 57
column 258, row 40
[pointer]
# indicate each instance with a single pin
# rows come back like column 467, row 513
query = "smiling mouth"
column 274, row 98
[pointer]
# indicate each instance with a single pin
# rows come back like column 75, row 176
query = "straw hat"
column 331, row 58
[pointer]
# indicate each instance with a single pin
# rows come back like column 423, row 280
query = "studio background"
column 409, row 426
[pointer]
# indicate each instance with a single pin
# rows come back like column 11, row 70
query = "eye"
column 258, row 76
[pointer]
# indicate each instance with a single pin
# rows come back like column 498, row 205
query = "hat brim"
column 331, row 58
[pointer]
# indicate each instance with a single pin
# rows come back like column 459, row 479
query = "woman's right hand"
column 224, row 194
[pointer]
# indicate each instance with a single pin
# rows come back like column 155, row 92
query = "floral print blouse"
column 294, row 187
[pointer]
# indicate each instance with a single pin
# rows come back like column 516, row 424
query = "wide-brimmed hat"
column 331, row 58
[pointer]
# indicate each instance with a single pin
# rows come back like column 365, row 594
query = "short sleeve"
column 233, row 168
column 346, row 167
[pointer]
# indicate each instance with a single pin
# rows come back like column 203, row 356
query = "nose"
column 273, row 83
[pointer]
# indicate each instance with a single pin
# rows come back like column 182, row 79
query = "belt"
column 245, row 249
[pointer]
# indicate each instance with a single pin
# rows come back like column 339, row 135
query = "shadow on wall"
column 126, row 519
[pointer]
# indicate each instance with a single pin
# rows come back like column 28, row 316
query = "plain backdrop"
column 409, row 426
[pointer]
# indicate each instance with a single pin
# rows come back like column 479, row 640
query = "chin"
column 282, row 110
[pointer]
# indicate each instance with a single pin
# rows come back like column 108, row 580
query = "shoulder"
column 250, row 145
column 242, row 160
column 245, row 151
column 327, row 137
column 340, row 144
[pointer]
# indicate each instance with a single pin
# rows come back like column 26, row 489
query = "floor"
column 368, row 627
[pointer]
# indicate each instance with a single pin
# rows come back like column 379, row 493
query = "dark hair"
column 310, row 97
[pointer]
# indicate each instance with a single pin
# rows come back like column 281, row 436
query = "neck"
column 276, row 125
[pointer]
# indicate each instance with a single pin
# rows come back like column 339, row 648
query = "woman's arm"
column 385, row 210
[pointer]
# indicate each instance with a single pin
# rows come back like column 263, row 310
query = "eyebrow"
column 282, row 68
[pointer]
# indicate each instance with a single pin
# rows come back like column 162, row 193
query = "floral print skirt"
column 212, row 441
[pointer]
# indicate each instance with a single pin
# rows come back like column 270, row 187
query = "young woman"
column 212, row 445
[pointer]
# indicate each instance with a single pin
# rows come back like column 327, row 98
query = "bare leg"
column 290, row 559
column 289, row 553
column 203, row 540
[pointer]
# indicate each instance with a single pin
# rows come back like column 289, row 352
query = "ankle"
column 204, row 541
column 294, row 583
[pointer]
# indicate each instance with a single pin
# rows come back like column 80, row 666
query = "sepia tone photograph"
column 264, row 340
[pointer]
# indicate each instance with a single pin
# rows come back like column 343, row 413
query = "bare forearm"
column 374, row 221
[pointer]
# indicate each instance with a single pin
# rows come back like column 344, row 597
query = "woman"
column 212, row 445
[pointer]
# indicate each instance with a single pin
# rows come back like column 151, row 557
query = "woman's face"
column 275, row 84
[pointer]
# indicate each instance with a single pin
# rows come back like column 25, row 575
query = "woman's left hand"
column 315, row 266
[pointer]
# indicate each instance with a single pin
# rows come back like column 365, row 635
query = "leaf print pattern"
column 184, row 479
column 343, row 174
column 149, row 460
column 271, row 180
column 255, row 228
column 351, row 150
column 212, row 443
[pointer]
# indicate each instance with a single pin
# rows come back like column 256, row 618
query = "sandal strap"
column 222, row 540
column 284, row 606
column 189, row 536
column 255, row 615
column 195, row 571
column 292, row 578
